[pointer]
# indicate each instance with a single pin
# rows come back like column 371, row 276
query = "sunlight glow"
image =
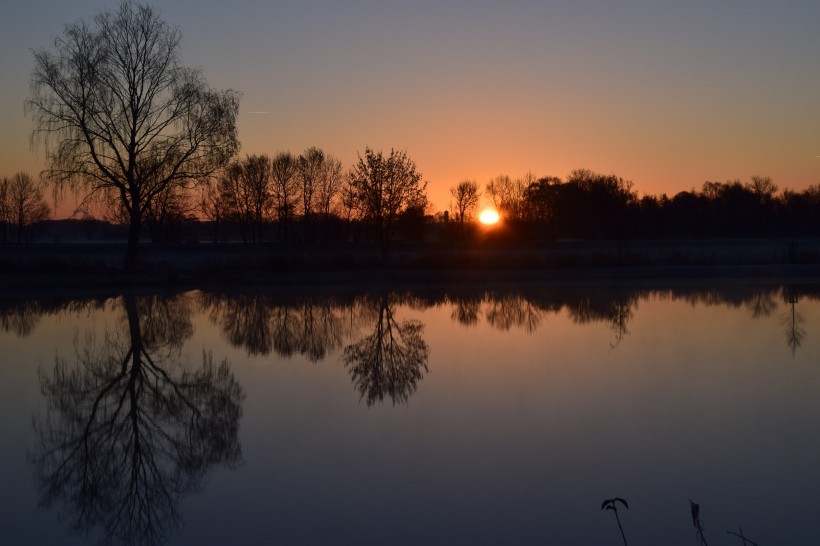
column 488, row 217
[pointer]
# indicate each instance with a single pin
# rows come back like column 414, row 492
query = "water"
column 439, row 416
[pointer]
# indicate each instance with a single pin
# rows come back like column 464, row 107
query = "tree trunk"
column 130, row 263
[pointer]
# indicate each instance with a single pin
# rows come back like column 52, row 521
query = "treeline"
column 291, row 324
column 588, row 205
column 314, row 198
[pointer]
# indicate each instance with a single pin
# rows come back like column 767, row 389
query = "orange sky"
column 667, row 97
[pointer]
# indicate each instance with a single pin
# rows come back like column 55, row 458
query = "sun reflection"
column 488, row 217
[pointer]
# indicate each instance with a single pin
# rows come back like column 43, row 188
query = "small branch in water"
column 612, row 504
column 743, row 538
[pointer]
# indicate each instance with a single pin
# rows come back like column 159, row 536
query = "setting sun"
column 488, row 217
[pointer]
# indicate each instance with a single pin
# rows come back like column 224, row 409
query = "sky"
column 665, row 94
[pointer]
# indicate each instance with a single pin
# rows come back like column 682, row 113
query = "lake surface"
column 448, row 416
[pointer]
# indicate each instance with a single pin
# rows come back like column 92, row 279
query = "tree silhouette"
column 285, row 190
column 466, row 196
column 386, row 187
column 310, row 167
column 128, row 431
column 389, row 361
column 22, row 203
column 124, row 116
column 246, row 189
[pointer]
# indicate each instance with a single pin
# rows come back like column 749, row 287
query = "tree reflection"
column 128, row 431
column 466, row 311
column 20, row 318
column 617, row 310
column 762, row 304
column 504, row 312
column 792, row 321
column 392, row 359
column 260, row 325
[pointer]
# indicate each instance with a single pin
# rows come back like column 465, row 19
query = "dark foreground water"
column 434, row 417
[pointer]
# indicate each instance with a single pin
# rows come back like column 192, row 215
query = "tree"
column 212, row 205
column 466, row 196
column 246, row 189
column 24, row 203
column 328, row 193
column 310, row 166
column 118, row 111
column 329, row 187
column 763, row 187
column 541, row 198
column 508, row 195
column 285, row 189
column 168, row 211
column 385, row 187
column 349, row 203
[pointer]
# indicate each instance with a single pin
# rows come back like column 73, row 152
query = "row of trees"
column 605, row 206
column 259, row 192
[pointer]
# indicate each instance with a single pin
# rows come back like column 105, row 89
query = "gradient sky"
column 667, row 96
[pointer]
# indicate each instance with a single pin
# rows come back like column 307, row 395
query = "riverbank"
column 65, row 267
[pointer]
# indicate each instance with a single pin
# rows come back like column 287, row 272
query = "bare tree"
column 168, row 211
column 763, row 187
column 329, row 186
column 349, row 202
column 310, row 165
column 328, row 193
column 118, row 110
column 246, row 189
column 212, row 204
column 285, row 189
column 25, row 204
column 386, row 187
column 508, row 195
column 466, row 197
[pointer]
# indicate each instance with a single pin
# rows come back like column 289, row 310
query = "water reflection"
column 792, row 320
column 20, row 318
column 129, row 430
column 260, row 324
column 505, row 311
column 388, row 362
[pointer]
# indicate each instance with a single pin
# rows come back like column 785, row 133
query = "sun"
column 488, row 217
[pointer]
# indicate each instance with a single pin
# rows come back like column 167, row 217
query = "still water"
column 502, row 416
